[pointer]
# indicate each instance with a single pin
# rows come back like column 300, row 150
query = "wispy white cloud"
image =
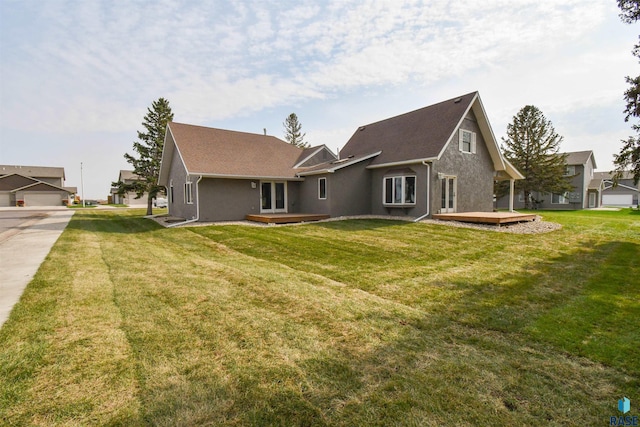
column 224, row 58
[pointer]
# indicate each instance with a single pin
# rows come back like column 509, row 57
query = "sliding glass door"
column 273, row 196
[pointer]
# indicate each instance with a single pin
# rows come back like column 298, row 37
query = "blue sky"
column 76, row 77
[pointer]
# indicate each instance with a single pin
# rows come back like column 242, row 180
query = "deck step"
column 285, row 218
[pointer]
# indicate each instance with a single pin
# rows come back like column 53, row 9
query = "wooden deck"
column 497, row 218
column 284, row 218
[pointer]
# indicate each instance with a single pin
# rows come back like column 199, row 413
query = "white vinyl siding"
column 467, row 141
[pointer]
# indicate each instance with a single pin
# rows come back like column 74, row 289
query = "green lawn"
column 362, row 322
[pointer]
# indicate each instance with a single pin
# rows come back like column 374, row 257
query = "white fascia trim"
column 623, row 186
column 485, row 128
column 320, row 148
column 256, row 177
column 403, row 163
column 26, row 187
column 176, row 148
column 341, row 165
column 457, row 127
column 511, row 170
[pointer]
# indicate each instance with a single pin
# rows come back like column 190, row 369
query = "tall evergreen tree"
column 629, row 156
column 149, row 153
column 293, row 131
column 532, row 146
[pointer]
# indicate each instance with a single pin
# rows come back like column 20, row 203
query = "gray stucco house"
column 441, row 158
column 587, row 188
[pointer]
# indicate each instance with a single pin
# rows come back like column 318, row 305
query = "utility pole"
column 81, row 185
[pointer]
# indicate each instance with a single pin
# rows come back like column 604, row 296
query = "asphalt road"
column 12, row 222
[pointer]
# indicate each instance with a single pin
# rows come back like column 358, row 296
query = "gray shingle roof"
column 579, row 157
column 419, row 134
column 33, row 171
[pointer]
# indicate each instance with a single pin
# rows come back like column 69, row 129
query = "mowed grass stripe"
column 66, row 330
column 332, row 325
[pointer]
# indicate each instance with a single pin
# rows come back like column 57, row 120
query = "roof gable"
column 580, row 158
column 219, row 152
column 334, row 165
column 419, row 134
column 315, row 155
column 14, row 180
column 424, row 134
column 128, row 175
column 40, row 186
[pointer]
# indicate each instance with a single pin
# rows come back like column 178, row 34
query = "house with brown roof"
column 34, row 186
column 438, row 159
column 587, row 188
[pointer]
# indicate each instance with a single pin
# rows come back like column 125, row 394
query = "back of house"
column 441, row 158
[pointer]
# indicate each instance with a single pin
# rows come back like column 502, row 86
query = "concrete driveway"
column 26, row 237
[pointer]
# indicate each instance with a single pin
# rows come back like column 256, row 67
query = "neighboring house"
column 441, row 158
column 625, row 194
column 34, row 186
column 587, row 189
column 128, row 198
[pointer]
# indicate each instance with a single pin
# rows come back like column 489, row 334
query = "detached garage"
column 625, row 200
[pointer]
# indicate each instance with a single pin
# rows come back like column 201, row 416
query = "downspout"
column 511, row 191
column 197, row 218
column 428, row 165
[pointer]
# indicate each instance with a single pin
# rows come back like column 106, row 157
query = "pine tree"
column 293, row 131
column 629, row 156
column 532, row 146
column 149, row 153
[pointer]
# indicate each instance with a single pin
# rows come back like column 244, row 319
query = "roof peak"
column 456, row 100
column 221, row 129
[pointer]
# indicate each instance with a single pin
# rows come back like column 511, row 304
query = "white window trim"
column 325, row 189
column 403, row 190
column 461, row 141
column 188, row 193
column 566, row 170
column 273, row 197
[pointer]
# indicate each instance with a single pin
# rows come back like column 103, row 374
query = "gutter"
column 197, row 218
column 428, row 165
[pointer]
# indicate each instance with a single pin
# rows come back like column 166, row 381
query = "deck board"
column 285, row 218
column 486, row 217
